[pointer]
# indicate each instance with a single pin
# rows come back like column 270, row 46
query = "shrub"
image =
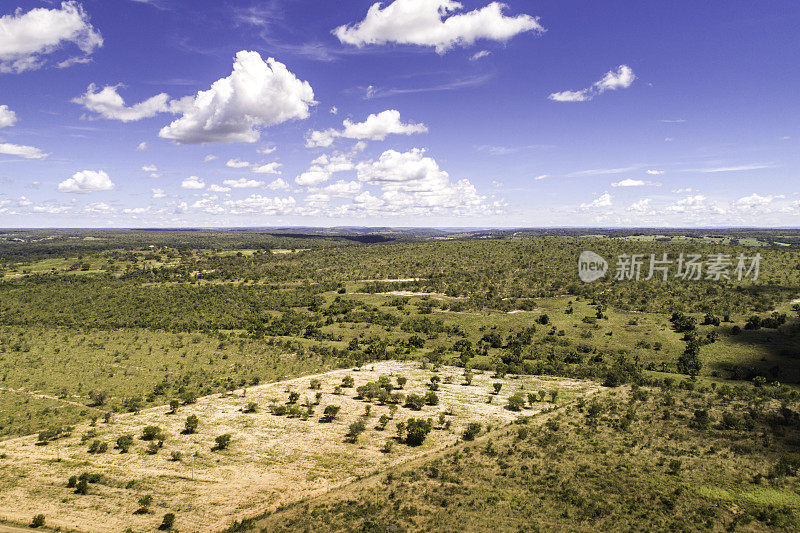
column 152, row 448
column 175, row 456
column 348, row 382
column 38, row 521
column 387, row 446
column 152, row 433
column 701, row 418
column 401, row 381
column 251, row 407
column 415, row 401
column 278, row 409
column 191, row 424
column 788, row 465
column 144, row 504
column 222, row 442
column 293, row 397
column 516, row 402
column 472, row 431
column 94, row 446
column 315, row 384
column 330, row 412
column 98, row 398
column 431, row 398
column 133, row 404
column 497, row 387
column 356, row 429
column 385, row 383
column 82, row 487
column 173, row 405
column 167, row 522
column 124, row 443
column 51, row 434
column 416, row 430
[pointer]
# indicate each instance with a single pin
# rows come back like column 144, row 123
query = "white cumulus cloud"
column 604, row 200
column 755, row 201
column 25, row 38
column 434, row 23
column 269, row 168
column 634, row 183
column 236, row 163
column 375, row 128
column 107, row 103
column 277, row 185
column 257, row 94
column 193, row 182
column 243, row 183
column 413, row 183
column 641, row 206
column 7, row 117
column 87, row 181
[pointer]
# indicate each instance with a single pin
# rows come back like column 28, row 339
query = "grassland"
column 272, row 460
column 646, row 459
column 101, row 331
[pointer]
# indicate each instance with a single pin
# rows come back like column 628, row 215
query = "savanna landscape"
column 386, row 380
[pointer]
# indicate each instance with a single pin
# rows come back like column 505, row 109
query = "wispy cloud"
column 622, row 78
column 472, row 81
column 738, row 168
column 506, row 150
column 602, row 171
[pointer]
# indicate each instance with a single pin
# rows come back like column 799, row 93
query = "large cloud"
column 434, row 23
column 257, row 94
column 404, row 171
column 109, row 104
column 20, row 150
column 7, row 117
column 413, row 184
column 374, row 128
column 26, row 37
column 87, row 181
column 622, row 78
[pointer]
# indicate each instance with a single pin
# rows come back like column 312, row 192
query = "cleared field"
column 271, row 460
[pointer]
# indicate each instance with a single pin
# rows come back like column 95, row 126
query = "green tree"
column 191, row 424
column 416, row 430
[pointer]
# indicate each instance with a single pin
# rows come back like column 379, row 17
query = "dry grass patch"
column 271, row 460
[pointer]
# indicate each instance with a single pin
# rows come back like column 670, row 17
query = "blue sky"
column 123, row 113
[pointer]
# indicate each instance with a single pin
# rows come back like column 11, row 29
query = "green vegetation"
column 696, row 427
